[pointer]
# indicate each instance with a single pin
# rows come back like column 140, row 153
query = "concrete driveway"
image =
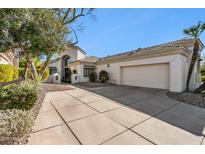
column 117, row 115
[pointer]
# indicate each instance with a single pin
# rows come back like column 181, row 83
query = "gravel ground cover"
column 189, row 98
column 16, row 124
column 93, row 84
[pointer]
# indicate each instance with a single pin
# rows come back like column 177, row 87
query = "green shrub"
column 15, row 73
column 45, row 76
column 8, row 73
column 203, row 70
column 93, row 76
column 15, row 126
column 203, row 78
column 103, row 76
column 74, row 71
column 18, row 96
column 21, row 72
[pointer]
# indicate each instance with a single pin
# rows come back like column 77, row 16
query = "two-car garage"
column 162, row 67
column 152, row 75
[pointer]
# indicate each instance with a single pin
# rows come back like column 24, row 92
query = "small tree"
column 37, row 33
column 103, row 76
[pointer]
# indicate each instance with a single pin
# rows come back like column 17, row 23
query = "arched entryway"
column 65, row 71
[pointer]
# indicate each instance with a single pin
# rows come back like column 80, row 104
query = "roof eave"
column 177, row 50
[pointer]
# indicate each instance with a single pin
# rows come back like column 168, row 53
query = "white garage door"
column 153, row 76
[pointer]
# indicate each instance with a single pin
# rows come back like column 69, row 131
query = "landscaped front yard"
column 20, row 104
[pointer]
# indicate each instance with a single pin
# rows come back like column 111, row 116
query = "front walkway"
column 117, row 115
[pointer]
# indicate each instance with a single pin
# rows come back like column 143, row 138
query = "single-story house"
column 164, row 66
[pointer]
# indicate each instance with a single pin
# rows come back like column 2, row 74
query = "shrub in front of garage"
column 103, row 76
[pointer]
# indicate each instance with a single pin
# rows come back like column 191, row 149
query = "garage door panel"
column 153, row 76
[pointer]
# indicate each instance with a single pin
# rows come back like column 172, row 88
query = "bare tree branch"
column 76, row 37
column 66, row 15
column 75, row 16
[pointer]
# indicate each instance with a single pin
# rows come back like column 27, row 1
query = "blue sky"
column 119, row 30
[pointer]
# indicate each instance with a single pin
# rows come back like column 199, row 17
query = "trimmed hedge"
column 8, row 73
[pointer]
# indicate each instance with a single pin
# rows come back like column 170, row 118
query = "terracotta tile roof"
column 174, row 44
column 76, row 47
column 91, row 59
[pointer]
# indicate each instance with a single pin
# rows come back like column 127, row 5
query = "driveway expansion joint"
column 66, row 124
column 82, row 102
column 47, row 128
column 128, row 128
column 102, row 110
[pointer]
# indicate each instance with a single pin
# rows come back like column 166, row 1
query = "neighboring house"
column 9, row 58
column 163, row 66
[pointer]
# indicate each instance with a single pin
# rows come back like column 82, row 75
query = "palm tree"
column 202, row 87
column 194, row 32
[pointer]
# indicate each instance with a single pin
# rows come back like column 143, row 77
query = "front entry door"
column 67, row 75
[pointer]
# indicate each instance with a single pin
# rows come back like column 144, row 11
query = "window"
column 52, row 70
column 69, row 60
column 66, row 61
column 88, row 70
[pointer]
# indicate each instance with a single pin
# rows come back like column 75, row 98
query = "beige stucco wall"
column 80, row 55
column 80, row 74
column 75, row 54
column 177, row 67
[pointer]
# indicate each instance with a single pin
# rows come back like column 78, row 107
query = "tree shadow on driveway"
column 156, row 103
